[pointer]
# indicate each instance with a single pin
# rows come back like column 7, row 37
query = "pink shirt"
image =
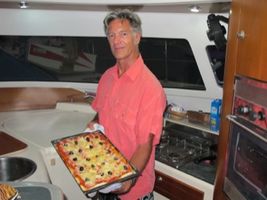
column 130, row 108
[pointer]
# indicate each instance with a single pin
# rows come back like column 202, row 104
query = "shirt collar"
column 134, row 70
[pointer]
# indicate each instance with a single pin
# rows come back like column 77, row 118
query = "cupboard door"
column 251, row 36
column 174, row 189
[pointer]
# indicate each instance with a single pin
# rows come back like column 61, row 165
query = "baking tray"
column 85, row 152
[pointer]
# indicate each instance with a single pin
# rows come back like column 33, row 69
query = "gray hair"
column 123, row 14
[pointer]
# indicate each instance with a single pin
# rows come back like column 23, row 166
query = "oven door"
column 246, row 176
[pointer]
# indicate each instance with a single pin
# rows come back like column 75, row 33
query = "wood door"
column 175, row 189
column 246, row 57
column 252, row 42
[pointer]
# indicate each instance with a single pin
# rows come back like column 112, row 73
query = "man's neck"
column 125, row 64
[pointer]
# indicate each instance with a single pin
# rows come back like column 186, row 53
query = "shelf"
column 185, row 122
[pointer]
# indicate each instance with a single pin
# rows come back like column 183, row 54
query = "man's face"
column 122, row 40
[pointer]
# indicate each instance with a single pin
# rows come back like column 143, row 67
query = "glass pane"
column 217, row 60
column 173, row 62
column 84, row 59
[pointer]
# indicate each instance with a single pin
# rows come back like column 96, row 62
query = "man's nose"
column 117, row 38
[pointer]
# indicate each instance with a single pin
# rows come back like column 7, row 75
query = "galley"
column 208, row 80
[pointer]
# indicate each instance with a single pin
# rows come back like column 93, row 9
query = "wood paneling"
column 252, row 49
column 174, row 189
column 36, row 98
column 9, row 144
column 230, row 70
column 244, row 56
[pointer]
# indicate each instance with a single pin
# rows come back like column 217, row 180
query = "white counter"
column 38, row 128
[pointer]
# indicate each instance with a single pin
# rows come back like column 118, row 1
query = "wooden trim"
column 175, row 189
column 9, row 144
column 13, row 99
column 229, row 73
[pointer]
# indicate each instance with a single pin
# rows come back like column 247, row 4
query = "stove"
column 186, row 149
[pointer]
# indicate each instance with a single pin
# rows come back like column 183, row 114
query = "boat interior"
column 52, row 54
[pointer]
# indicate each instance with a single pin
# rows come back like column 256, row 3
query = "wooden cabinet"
column 245, row 55
column 251, row 36
column 175, row 189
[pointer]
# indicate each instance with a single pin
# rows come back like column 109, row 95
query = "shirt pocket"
column 125, row 114
column 102, row 102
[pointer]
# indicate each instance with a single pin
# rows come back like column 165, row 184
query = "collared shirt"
column 131, row 107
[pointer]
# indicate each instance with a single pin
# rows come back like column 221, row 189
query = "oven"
column 246, row 175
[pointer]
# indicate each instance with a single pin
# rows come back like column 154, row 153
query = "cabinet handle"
column 241, row 34
column 160, row 178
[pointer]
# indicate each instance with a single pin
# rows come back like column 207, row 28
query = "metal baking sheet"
column 95, row 133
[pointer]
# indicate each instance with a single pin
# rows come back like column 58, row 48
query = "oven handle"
column 233, row 118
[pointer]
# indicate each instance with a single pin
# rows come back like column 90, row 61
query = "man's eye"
column 111, row 35
column 124, row 34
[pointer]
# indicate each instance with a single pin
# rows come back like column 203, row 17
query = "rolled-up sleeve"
column 150, row 117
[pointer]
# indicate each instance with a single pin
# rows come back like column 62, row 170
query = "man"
column 129, row 103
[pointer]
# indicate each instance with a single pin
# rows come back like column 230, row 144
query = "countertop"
column 38, row 127
column 37, row 190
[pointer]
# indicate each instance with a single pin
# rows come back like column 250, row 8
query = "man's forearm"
column 142, row 154
column 139, row 160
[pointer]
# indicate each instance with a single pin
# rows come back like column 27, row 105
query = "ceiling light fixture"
column 23, row 4
column 194, row 8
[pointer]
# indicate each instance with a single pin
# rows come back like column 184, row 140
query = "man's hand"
column 126, row 185
column 90, row 125
column 93, row 126
column 110, row 188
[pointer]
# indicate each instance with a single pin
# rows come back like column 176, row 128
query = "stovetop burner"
column 175, row 157
column 181, row 150
column 164, row 141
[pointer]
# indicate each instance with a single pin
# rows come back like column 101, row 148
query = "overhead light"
column 23, row 4
column 194, row 8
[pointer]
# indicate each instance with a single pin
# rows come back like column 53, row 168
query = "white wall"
column 193, row 27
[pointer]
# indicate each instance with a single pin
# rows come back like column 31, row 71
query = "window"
column 84, row 59
column 217, row 58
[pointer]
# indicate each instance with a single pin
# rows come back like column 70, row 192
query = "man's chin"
column 119, row 57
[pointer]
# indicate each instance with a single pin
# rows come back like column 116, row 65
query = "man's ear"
column 137, row 38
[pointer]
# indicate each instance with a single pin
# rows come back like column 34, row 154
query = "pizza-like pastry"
column 7, row 192
column 93, row 160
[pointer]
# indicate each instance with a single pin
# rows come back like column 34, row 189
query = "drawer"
column 175, row 189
